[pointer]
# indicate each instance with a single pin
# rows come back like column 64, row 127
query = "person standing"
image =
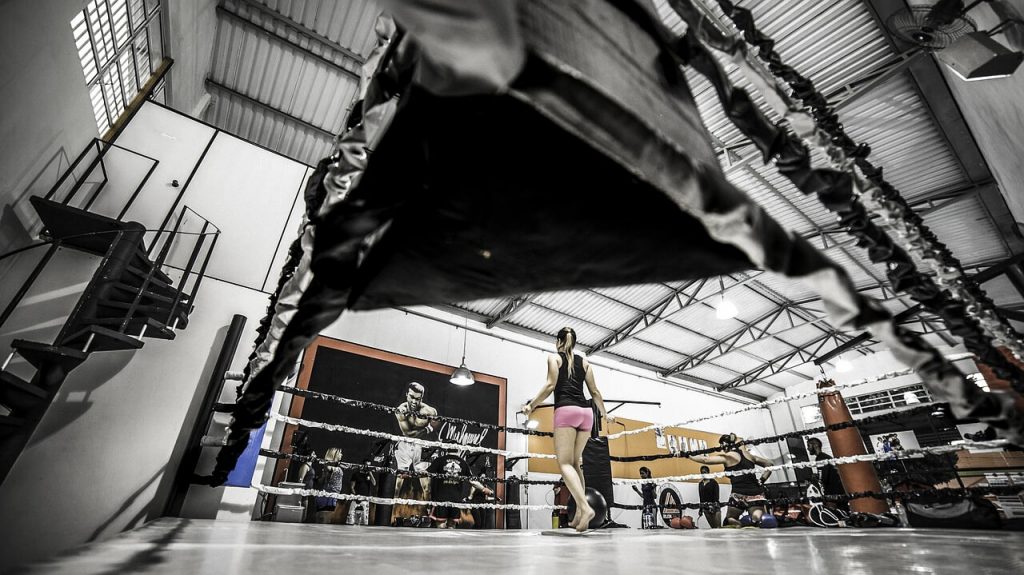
column 828, row 475
column 574, row 418
column 365, row 484
column 649, row 513
column 710, row 504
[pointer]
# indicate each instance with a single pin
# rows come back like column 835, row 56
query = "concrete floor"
column 197, row 547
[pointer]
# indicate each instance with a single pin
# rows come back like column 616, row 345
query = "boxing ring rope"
column 307, row 393
column 867, row 457
column 894, row 415
column 780, row 400
column 404, row 439
column 906, row 454
column 270, row 490
column 381, row 469
column 944, row 494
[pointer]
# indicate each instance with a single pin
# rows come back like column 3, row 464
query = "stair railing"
column 176, row 232
column 101, row 149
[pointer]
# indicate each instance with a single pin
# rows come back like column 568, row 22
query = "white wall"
column 47, row 118
column 104, row 456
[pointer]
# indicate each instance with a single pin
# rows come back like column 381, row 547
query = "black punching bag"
column 513, row 520
column 597, row 470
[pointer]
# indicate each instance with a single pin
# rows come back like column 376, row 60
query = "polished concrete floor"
column 197, row 547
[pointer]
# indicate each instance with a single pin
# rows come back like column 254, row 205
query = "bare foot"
column 583, row 517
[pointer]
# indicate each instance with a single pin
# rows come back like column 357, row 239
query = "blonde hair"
column 333, row 454
column 565, row 344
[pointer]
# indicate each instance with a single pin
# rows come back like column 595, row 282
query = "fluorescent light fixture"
column 911, row 397
column 976, row 56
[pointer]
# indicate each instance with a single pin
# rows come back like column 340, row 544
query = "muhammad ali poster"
column 414, row 390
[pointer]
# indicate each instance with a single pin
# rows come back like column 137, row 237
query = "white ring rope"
column 397, row 501
column 403, row 439
column 886, row 456
column 778, row 400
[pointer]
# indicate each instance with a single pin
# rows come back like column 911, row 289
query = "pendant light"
column 462, row 376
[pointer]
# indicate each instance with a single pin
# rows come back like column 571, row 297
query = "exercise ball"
column 597, row 503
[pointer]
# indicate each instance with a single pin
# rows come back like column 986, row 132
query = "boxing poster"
column 414, row 390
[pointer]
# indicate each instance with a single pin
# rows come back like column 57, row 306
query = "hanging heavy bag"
column 975, row 513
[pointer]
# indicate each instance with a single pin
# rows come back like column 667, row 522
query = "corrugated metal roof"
column 282, row 76
column 280, row 87
column 966, row 228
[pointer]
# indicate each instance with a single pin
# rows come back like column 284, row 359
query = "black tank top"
column 570, row 391
column 745, row 484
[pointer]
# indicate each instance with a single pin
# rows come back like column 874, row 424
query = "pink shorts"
column 580, row 418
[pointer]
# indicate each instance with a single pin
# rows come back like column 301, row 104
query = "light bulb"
column 842, row 365
column 462, row 376
column 725, row 309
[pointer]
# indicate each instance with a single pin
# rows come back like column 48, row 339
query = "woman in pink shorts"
column 574, row 417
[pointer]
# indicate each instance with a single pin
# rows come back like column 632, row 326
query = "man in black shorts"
column 450, row 488
column 362, row 483
column 710, row 504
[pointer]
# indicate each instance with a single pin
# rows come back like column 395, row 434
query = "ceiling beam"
column 271, row 35
column 781, row 363
column 211, row 83
column 302, row 30
column 511, row 309
column 653, row 314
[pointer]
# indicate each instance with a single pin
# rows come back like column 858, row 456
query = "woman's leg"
column 756, row 513
column 732, row 515
column 565, row 451
column 581, row 443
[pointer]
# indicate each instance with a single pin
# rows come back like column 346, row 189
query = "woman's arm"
column 709, row 459
column 545, row 391
column 595, row 393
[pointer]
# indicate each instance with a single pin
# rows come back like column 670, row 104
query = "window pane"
column 155, row 45
column 142, row 55
column 98, row 108
column 137, row 11
column 119, row 16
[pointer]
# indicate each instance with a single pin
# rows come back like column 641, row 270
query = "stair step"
column 79, row 229
column 147, row 294
column 41, row 354
column 103, row 339
column 156, row 311
column 159, row 278
column 10, row 421
column 154, row 328
column 18, row 394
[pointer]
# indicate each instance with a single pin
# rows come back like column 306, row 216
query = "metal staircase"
column 129, row 297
